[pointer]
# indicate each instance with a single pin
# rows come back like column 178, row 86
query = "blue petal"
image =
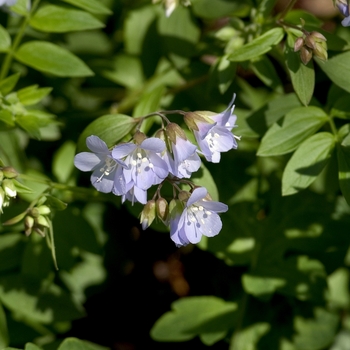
column 217, row 207
column 183, row 149
column 211, row 224
column 104, row 184
column 86, row 161
column 121, row 151
column 346, row 22
column 198, row 194
column 96, row 145
column 153, row 144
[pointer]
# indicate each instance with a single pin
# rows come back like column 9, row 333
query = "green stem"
column 17, row 40
column 287, row 9
column 333, row 127
column 59, row 186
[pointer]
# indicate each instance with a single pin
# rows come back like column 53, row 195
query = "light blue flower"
column 344, row 9
column 144, row 166
column 213, row 131
column 181, row 157
column 106, row 170
column 199, row 218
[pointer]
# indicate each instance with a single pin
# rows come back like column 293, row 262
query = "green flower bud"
column 9, row 172
column 9, row 188
column 44, row 210
column 184, row 195
column 34, row 212
column 148, row 214
column 42, row 221
column 1, row 176
column 28, row 225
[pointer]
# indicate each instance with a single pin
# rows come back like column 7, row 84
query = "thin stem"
column 333, row 127
column 17, row 40
column 287, row 9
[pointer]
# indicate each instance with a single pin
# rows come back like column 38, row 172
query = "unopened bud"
column 42, row 221
column 28, row 225
column 175, row 208
column 34, row 212
column 9, row 172
column 184, row 195
column 173, row 130
column 139, row 137
column 305, row 55
column 162, row 209
column 44, row 210
column 299, row 43
column 1, row 176
column 148, row 214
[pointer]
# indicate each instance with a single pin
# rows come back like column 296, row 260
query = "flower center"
column 197, row 215
column 212, row 140
column 109, row 167
column 141, row 161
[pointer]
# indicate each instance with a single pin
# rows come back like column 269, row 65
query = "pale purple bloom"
column 144, row 166
column 183, row 160
column 215, row 138
column 344, row 9
column 198, row 218
column 106, row 170
column 134, row 194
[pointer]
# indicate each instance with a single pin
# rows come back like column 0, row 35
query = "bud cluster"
column 310, row 44
column 37, row 220
column 130, row 169
column 7, row 186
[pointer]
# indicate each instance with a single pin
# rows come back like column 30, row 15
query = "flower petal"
column 153, row 144
column 121, row 151
column 86, row 161
column 96, row 145
column 198, row 194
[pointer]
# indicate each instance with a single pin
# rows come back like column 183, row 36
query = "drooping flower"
column 106, row 170
column 199, row 217
column 180, row 155
column 343, row 7
column 213, row 131
column 144, row 167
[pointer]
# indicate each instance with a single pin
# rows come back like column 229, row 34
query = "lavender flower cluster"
column 130, row 169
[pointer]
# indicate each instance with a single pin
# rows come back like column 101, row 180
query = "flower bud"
column 192, row 119
column 176, row 208
column 34, row 212
column 28, row 225
column 9, row 172
column 42, row 221
column 162, row 209
column 184, row 195
column 9, row 188
column 148, row 214
column 299, row 43
column 1, row 176
column 44, row 210
column 139, row 137
column 173, row 130
column 305, row 55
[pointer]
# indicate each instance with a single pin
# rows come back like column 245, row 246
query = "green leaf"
column 77, row 344
column 55, row 203
column 32, row 95
column 337, row 69
column 57, row 19
column 264, row 117
column 220, row 8
column 30, row 124
column 24, row 297
column 302, row 76
column 4, row 337
column 5, row 39
column 93, row 6
column 192, row 316
column 22, row 7
column 307, row 162
column 298, row 125
column 266, row 72
column 249, row 337
column 6, row 119
column 260, row 286
column 224, row 72
column 111, row 128
column 50, row 58
column 8, row 84
column 31, row 346
column 344, row 171
column 258, row 46
column 20, row 188
column 63, row 165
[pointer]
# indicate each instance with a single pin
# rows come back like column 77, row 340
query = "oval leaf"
column 50, row 58
column 111, row 128
column 307, row 162
column 298, row 125
column 93, row 6
column 302, row 76
column 57, row 19
column 258, row 46
column 5, row 39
